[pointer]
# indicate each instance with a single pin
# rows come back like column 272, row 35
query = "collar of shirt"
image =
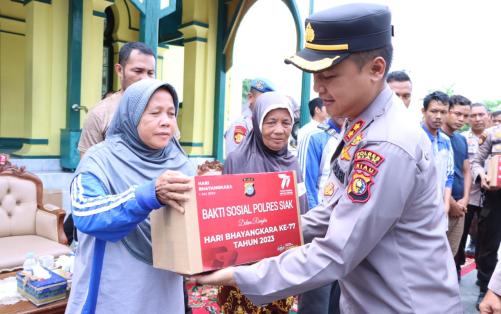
column 329, row 126
column 376, row 108
column 333, row 126
column 441, row 139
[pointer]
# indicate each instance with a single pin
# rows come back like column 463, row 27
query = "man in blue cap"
column 242, row 126
column 380, row 229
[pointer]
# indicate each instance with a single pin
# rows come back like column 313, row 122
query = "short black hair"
column 496, row 113
column 398, row 76
column 458, row 100
column 126, row 50
column 315, row 103
column 436, row 96
column 361, row 58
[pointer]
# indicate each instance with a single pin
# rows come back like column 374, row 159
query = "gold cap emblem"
column 310, row 33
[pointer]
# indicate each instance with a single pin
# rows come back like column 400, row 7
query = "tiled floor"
column 469, row 292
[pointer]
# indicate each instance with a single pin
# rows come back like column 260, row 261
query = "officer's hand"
column 484, row 182
column 222, row 277
column 171, row 188
column 491, row 304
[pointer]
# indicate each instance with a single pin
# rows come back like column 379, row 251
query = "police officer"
column 242, row 126
column 380, row 229
column 489, row 221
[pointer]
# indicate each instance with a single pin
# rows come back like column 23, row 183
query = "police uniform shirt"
column 97, row 122
column 236, row 133
column 475, row 193
column 380, row 229
column 490, row 143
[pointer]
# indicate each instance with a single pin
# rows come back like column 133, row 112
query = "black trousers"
column 324, row 300
column 460, row 257
column 489, row 237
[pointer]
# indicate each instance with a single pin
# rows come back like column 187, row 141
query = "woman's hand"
column 170, row 189
column 222, row 277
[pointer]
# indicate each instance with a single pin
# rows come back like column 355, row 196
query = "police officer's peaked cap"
column 331, row 35
column 262, row 85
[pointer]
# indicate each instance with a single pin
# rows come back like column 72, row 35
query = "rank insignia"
column 239, row 134
column 345, row 152
column 359, row 187
column 355, row 128
column 329, row 189
column 369, row 157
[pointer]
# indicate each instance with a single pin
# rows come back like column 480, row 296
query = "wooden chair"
column 26, row 224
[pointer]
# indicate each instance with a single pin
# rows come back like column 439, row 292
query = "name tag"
column 338, row 172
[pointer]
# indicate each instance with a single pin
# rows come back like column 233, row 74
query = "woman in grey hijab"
column 140, row 167
column 264, row 150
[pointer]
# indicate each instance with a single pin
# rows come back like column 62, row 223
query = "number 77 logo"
column 286, row 180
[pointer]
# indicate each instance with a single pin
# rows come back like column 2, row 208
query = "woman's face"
column 158, row 122
column 276, row 129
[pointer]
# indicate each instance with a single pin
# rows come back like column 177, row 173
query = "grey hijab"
column 123, row 160
column 252, row 156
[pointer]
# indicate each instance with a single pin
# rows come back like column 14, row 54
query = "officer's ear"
column 377, row 68
column 118, row 70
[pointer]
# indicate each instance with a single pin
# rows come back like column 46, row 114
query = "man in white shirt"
column 318, row 115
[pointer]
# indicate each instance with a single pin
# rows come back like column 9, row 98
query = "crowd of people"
column 387, row 198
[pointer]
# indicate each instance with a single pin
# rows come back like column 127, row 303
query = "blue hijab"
column 123, row 160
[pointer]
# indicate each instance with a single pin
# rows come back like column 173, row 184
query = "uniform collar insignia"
column 355, row 128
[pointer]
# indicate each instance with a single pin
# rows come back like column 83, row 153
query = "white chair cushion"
column 14, row 249
column 18, row 206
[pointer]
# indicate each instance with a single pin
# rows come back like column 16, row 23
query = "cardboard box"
column 494, row 171
column 41, row 292
column 229, row 220
column 53, row 196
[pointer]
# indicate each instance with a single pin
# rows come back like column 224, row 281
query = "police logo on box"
column 249, row 189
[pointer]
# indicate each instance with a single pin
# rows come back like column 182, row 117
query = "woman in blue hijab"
column 140, row 167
